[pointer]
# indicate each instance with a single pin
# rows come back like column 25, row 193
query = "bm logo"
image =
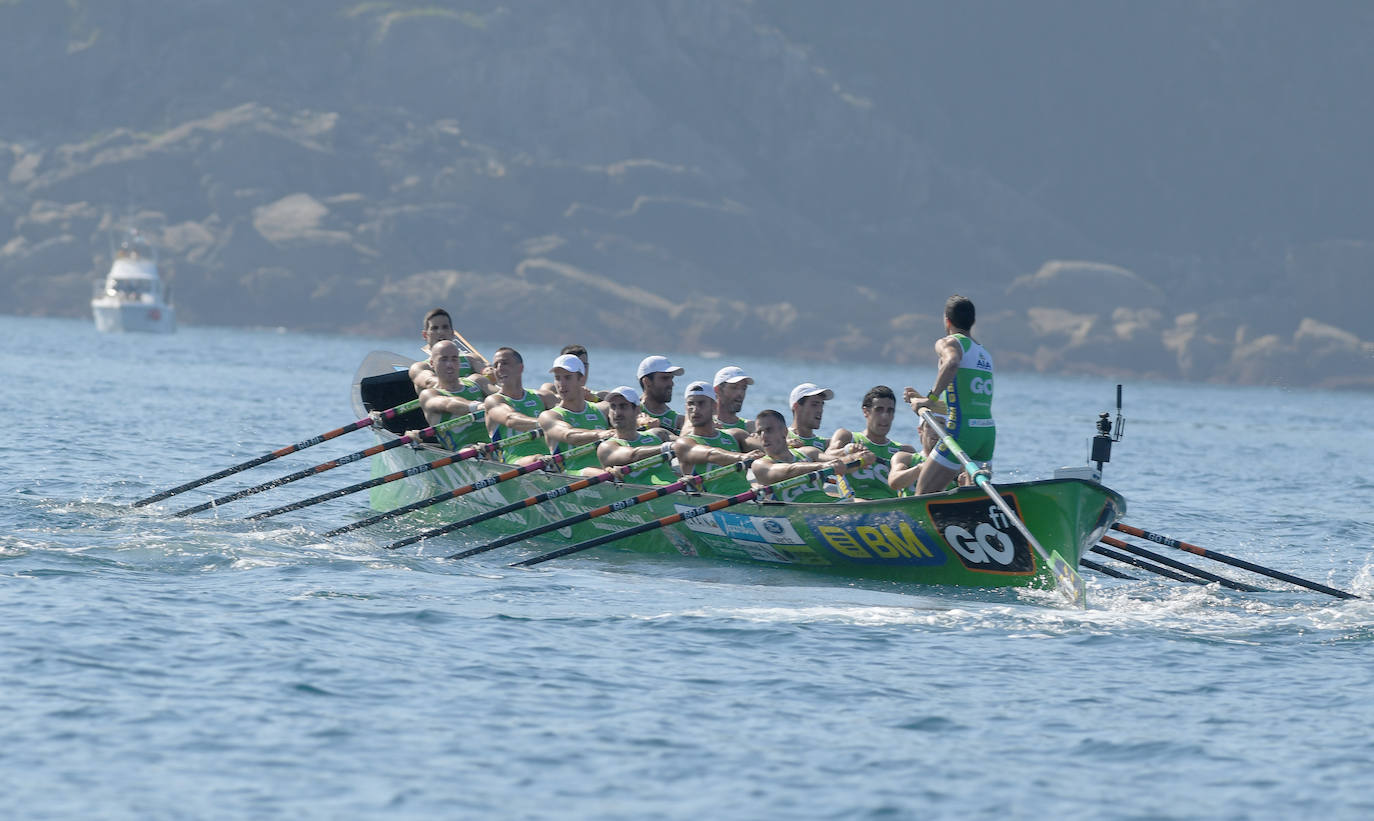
column 982, row 537
column 877, row 538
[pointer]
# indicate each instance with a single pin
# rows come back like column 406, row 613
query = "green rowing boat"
column 957, row 537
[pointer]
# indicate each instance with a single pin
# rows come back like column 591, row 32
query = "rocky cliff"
column 1154, row 189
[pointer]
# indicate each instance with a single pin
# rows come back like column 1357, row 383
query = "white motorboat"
column 133, row 297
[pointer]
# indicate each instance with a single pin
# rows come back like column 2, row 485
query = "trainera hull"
column 957, row 537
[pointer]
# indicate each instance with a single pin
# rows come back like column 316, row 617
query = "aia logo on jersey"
column 981, row 536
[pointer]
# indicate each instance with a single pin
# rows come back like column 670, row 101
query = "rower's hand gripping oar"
column 332, row 463
column 686, row 482
column 543, row 463
column 1233, row 561
column 469, row 452
column 277, row 454
column 1070, row 583
column 701, row 510
column 612, row 474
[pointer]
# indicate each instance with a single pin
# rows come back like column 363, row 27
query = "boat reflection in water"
column 133, row 298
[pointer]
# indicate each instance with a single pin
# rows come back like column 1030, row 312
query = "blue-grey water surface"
column 155, row 667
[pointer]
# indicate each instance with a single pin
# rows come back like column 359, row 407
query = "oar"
column 277, row 454
column 620, row 504
column 1105, row 570
column 611, row 474
column 469, row 345
column 1070, row 583
column 1231, row 560
column 702, row 510
column 1183, row 566
column 330, row 465
column 462, row 455
column 1144, row 565
column 542, row 464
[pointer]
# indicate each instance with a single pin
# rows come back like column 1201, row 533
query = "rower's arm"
column 435, row 403
column 499, row 413
column 690, row 454
column 904, row 470
column 613, row 454
column 558, row 431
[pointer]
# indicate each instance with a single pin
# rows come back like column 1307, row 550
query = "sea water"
column 205, row 667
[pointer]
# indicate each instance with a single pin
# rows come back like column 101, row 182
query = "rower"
column 906, row 467
column 963, row 383
column 515, row 409
column 702, row 444
column 879, row 407
column 656, row 388
column 629, row 444
column 579, row 351
column 808, row 405
column 731, row 384
column 573, row 421
column 438, row 326
column 780, row 461
column 450, row 395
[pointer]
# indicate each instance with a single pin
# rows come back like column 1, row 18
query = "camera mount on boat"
column 1108, row 431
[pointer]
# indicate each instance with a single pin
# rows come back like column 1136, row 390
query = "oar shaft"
column 415, row 470
column 1144, row 565
column 485, row 449
column 1070, row 583
column 1105, row 570
column 277, row 454
column 682, row 516
column 613, row 474
column 620, row 504
column 1233, row 561
column 1183, row 566
column 324, row 466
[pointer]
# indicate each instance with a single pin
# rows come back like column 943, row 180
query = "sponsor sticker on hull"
column 982, row 537
column 743, row 528
column 876, row 538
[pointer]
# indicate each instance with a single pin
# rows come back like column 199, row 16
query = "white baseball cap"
column 699, row 388
column 568, row 362
column 806, row 389
column 630, row 394
column 732, row 374
column 658, row 364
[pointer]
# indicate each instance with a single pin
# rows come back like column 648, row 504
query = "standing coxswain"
column 963, row 384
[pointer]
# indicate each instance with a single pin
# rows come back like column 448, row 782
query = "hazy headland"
column 1177, row 190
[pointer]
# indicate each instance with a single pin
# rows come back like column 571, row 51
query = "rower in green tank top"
column 514, row 409
column 731, row 385
column 629, row 445
column 781, row 462
column 438, row 327
column 656, row 391
column 704, row 446
column 451, row 396
column 879, row 408
column 573, row 422
column 808, row 406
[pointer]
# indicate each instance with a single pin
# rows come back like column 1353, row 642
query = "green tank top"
column 589, row 419
column 729, row 484
column 871, row 482
column 656, row 474
column 812, row 441
column 531, row 404
column 670, row 419
column 471, row 433
column 810, row 491
column 736, row 425
column 969, row 396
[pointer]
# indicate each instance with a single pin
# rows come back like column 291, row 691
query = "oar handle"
column 681, row 516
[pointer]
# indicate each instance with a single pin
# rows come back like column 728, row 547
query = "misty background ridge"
column 1175, row 190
